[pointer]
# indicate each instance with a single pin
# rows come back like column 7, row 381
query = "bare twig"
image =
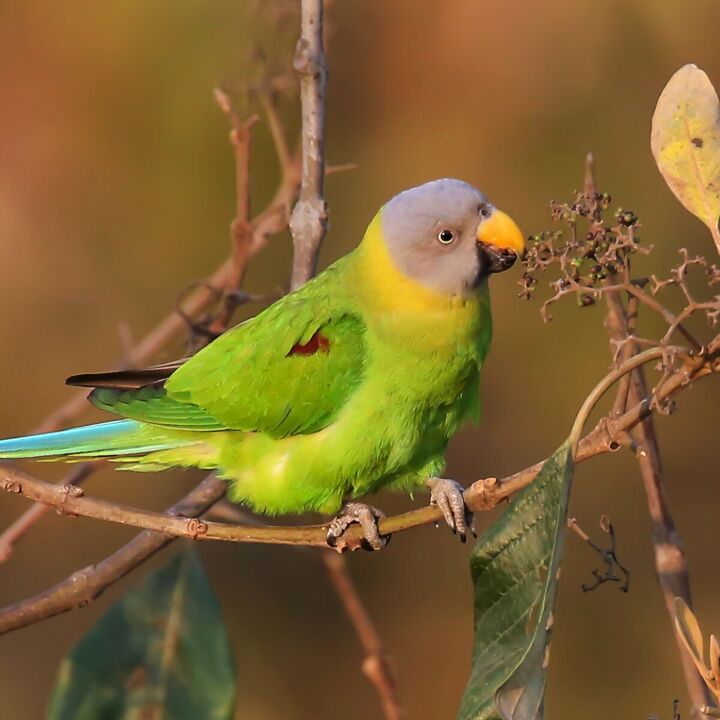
column 621, row 326
column 309, row 217
column 87, row 584
column 670, row 561
column 13, row 533
column 376, row 664
column 589, row 184
column 608, row 555
column 240, row 228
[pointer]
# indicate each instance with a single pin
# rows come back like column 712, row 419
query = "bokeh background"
column 116, row 190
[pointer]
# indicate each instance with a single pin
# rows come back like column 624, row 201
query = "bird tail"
column 110, row 439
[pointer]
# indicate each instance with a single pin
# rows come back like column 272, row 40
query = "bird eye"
column 445, row 237
column 485, row 211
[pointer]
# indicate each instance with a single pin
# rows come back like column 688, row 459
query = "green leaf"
column 160, row 653
column 515, row 569
column 685, row 141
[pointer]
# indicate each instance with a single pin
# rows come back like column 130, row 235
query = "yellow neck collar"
column 386, row 287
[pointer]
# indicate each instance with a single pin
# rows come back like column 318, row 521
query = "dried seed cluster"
column 592, row 255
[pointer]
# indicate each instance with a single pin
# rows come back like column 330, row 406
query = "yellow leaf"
column 685, row 141
column 689, row 631
column 715, row 663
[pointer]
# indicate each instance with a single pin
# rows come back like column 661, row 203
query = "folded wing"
column 288, row 370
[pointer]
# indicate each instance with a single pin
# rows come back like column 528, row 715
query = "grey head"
column 447, row 236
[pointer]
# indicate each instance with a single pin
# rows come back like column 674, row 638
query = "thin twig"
column 616, row 328
column 240, row 228
column 85, row 585
column 9, row 537
column 376, row 664
column 608, row 555
column 308, row 222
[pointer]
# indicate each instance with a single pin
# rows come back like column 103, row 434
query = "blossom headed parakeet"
column 354, row 382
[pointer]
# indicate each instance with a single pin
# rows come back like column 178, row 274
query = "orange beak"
column 500, row 231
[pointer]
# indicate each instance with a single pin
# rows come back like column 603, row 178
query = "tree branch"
column 18, row 528
column 481, row 495
column 87, row 584
column 308, row 225
column 241, row 235
column 670, row 562
column 376, row 664
column 308, row 222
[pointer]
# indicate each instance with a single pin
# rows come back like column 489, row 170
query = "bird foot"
column 367, row 516
column 448, row 496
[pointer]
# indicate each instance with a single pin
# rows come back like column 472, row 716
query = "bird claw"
column 367, row 517
column 448, row 496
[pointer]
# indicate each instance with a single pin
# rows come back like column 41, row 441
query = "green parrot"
column 354, row 382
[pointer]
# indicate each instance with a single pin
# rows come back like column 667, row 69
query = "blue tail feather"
column 109, row 439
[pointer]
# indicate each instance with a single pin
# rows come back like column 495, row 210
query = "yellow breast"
column 401, row 306
column 388, row 287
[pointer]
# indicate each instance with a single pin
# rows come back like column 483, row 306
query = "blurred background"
column 116, row 191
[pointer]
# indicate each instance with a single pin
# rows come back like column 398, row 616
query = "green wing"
column 151, row 404
column 288, row 370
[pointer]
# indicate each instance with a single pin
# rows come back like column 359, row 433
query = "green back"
column 255, row 378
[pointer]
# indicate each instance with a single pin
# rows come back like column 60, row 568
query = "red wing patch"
column 317, row 343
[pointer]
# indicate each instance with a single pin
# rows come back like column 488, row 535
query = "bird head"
column 448, row 237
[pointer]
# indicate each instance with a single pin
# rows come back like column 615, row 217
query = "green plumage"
column 153, row 405
column 354, row 382
column 249, row 380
